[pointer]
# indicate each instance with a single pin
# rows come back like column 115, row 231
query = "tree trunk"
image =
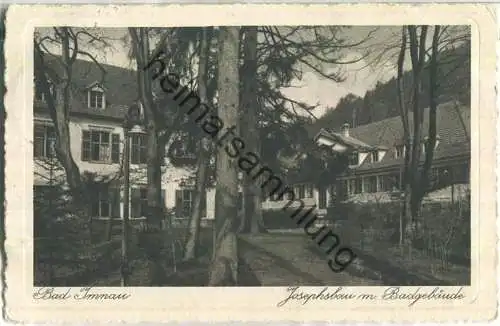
column 150, row 235
column 417, row 54
column 251, row 219
column 155, row 205
column 59, row 109
column 59, row 112
column 223, row 270
column 403, row 111
column 433, row 86
column 192, row 242
column 203, row 155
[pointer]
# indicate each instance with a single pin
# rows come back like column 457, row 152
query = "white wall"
column 172, row 176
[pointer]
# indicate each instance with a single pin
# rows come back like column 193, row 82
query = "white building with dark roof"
column 376, row 153
column 100, row 100
column 375, row 174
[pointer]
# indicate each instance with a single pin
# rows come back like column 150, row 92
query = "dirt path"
column 284, row 260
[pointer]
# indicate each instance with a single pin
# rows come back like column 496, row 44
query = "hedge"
column 443, row 228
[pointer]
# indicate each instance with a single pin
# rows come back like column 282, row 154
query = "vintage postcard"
column 250, row 163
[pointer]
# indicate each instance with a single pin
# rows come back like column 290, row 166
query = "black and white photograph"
column 252, row 156
column 215, row 163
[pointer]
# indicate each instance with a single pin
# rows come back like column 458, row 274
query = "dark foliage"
column 381, row 102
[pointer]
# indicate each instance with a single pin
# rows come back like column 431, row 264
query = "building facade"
column 97, row 113
column 376, row 153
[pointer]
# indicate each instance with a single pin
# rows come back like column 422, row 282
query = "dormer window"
column 96, row 98
column 374, row 156
column 426, row 140
column 354, row 158
column 40, row 94
column 399, row 151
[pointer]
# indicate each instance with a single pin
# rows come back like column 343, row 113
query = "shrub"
column 444, row 231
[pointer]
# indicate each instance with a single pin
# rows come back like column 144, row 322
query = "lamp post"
column 449, row 180
column 132, row 125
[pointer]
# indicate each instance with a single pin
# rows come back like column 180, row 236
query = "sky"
column 312, row 89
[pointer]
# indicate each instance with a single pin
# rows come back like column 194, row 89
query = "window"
column 139, row 201
column 44, row 139
column 115, row 148
column 388, row 182
column 370, row 184
column 105, row 202
column 96, row 146
column 304, row 190
column 322, row 198
column 309, row 191
column 354, row 158
column 399, row 151
column 96, row 99
column 300, row 191
column 40, row 94
column 396, row 182
column 425, row 145
column 139, row 149
column 434, row 175
column 359, row 186
column 184, row 202
column 374, row 156
column 355, row 186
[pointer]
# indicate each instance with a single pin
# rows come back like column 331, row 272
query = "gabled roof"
column 453, row 129
column 389, row 132
column 97, row 84
column 349, row 142
column 120, row 86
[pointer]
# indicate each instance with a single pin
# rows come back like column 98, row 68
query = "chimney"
column 345, row 130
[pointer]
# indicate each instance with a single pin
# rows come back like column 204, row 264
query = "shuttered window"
column 139, row 201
